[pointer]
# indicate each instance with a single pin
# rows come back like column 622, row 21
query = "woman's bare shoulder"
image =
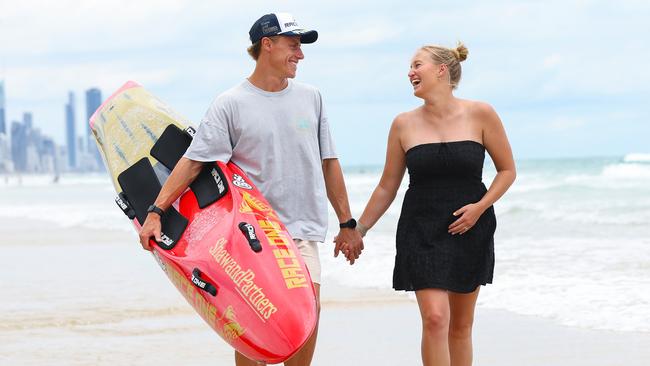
column 479, row 109
column 405, row 117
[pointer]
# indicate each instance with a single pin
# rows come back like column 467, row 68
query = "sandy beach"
column 84, row 297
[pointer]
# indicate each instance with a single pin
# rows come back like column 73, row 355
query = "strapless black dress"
column 443, row 178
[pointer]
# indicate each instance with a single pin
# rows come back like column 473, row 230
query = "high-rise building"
column 70, row 131
column 6, row 165
column 28, row 120
column 19, row 146
column 93, row 101
column 3, row 123
column 48, row 156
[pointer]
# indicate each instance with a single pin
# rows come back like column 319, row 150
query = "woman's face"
column 424, row 74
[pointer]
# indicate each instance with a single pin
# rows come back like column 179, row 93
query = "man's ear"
column 266, row 43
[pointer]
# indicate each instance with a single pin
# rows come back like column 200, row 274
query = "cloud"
column 525, row 56
column 552, row 61
column 563, row 123
column 43, row 82
column 372, row 32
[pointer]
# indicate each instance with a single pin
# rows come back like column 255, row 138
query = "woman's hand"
column 469, row 214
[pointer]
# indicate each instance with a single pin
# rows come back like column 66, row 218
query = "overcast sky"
column 568, row 78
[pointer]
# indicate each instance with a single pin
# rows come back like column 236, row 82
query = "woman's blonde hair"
column 452, row 57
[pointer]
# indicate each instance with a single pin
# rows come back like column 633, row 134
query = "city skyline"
column 93, row 101
column 71, row 130
column 565, row 84
column 24, row 148
column 3, row 123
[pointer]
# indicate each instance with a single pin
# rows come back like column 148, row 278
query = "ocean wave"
column 597, row 284
column 540, row 184
column 611, row 176
column 580, row 282
column 70, row 216
column 637, row 158
column 614, row 176
column 627, row 171
column 588, row 212
column 596, row 218
column 42, row 180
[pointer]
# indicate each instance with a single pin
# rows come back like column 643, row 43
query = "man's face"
column 285, row 55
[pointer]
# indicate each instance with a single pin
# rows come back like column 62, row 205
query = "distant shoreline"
column 642, row 158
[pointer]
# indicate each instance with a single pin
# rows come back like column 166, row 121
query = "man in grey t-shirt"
column 277, row 131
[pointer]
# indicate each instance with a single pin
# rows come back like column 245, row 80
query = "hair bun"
column 460, row 52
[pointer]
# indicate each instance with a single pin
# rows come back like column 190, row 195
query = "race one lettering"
column 296, row 282
column 284, row 254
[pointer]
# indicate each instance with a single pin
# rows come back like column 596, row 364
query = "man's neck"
column 265, row 80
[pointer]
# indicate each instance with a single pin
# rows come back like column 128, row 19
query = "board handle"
column 204, row 285
column 249, row 233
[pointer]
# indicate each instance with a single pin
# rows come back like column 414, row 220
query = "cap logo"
column 290, row 24
column 266, row 29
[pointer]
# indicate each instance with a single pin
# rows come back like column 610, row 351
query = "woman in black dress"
column 445, row 234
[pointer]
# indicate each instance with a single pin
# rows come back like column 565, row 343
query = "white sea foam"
column 571, row 245
column 571, row 242
column 576, row 282
column 75, row 201
column 599, row 284
column 529, row 183
column 637, row 158
column 42, row 180
column 627, row 171
column 70, row 216
column 611, row 176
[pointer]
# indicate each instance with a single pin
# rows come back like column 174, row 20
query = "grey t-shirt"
column 279, row 139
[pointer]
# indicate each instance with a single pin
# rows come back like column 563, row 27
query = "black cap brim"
column 306, row 36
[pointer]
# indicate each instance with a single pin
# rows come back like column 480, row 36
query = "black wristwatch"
column 350, row 224
column 156, row 209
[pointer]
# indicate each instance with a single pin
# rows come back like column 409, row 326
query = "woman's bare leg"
column 460, row 327
column 434, row 310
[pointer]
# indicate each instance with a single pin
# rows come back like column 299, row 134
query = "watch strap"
column 350, row 224
column 156, row 209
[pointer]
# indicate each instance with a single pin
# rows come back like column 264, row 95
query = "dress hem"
column 441, row 287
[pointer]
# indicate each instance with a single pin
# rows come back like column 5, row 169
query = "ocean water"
column 572, row 242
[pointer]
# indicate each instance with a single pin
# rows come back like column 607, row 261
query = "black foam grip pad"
column 141, row 187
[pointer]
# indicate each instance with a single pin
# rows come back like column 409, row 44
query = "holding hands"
column 350, row 242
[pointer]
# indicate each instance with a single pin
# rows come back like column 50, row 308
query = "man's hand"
column 150, row 228
column 349, row 242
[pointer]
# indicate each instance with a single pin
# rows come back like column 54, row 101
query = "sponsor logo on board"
column 239, row 181
column 244, row 280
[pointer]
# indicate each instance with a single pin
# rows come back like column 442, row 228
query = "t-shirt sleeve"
column 212, row 140
column 326, row 143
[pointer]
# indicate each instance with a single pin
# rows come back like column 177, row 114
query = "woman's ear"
column 442, row 69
